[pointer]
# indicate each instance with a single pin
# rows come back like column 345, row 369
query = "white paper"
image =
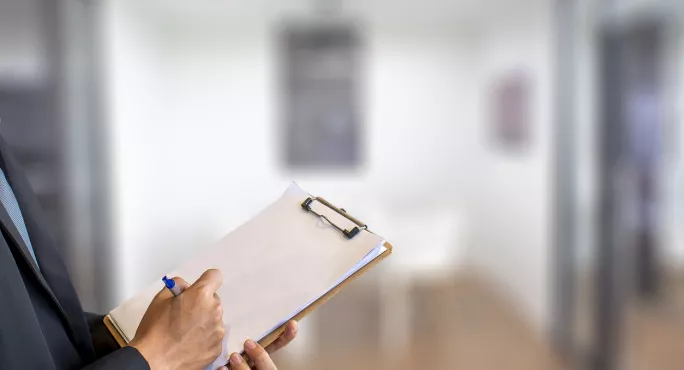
column 277, row 263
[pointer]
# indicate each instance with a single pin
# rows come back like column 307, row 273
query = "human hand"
column 260, row 356
column 183, row 332
column 287, row 336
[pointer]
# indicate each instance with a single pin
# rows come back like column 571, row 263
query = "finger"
column 181, row 283
column 211, row 280
column 284, row 338
column 166, row 293
column 163, row 294
column 237, row 362
column 258, row 355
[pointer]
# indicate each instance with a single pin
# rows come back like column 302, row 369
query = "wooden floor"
column 454, row 325
column 654, row 331
column 466, row 324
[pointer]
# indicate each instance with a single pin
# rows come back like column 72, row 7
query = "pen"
column 171, row 285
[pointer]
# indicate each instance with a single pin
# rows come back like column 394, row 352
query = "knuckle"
column 221, row 332
column 205, row 292
column 218, row 312
column 211, row 355
column 216, row 349
column 218, row 345
column 204, row 298
column 261, row 356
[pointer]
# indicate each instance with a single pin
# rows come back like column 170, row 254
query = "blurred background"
column 523, row 157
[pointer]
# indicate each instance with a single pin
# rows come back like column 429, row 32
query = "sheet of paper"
column 277, row 263
column 373, row 254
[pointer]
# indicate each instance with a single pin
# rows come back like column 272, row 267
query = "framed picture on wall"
column 321, row 118
column 511, row 108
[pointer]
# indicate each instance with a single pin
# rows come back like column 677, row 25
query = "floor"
column 460, row 324
column 464, row 323
column 652, row 334
column 654, row 331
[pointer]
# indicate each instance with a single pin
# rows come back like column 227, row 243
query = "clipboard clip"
column 306, row 205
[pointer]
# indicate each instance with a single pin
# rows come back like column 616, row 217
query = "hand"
column 285, row 338
column 259, row 355
column 184, row 332
column 262, row 360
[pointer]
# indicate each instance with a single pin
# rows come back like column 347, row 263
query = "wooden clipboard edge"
column 272, row 336
column 114, row 331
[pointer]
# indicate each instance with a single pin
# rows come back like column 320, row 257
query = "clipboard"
column 348, row 233
column 306, row 205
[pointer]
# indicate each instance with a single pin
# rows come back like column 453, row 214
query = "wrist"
column 155, row 359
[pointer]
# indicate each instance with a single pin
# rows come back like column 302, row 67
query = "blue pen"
column 171, row 285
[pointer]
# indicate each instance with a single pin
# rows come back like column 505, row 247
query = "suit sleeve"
column 110, row 356
column 103, row 341
column 126, row 358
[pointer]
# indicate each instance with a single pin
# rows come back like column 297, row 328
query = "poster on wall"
column 322, row 121
column 511, row 126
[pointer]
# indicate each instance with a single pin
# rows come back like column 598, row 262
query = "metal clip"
column 306, row 205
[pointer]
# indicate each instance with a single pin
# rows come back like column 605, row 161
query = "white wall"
column 510, row 205
column 674, row 175
column 194, row 141
column 133, row 107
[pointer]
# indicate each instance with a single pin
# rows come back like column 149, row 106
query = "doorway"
column 636, row 322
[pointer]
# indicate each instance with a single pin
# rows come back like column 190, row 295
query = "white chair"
column 428, row 246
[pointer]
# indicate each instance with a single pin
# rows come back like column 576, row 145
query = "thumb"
column 210, row 280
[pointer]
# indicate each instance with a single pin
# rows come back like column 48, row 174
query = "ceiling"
column 392, row 11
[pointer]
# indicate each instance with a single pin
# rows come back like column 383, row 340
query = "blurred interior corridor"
column 524, row 157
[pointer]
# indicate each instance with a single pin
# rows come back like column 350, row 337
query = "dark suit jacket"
column 42, row 325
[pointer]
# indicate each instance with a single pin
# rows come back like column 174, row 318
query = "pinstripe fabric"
column 9, row 201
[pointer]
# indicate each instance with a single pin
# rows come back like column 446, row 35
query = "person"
column 644, row 150
column 42, row 324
